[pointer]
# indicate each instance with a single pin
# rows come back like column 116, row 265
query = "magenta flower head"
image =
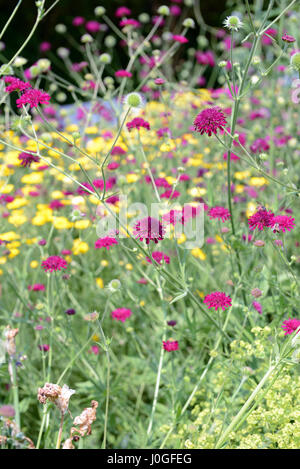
column 123, row 74
column 122, row 11
column 121, row 314
column 28, row 158
column 288, row 38
column 105, row 242
column 210, row 120
column 219, row 213
column 179, row 38
column 283, row 223
column 217, row 300
column 92, row 26
column 137, row 123
column 170, row 345
column 54, row 263
column 34, row 98
column 44, row 348
column 290, row 325
column 159, row 257
column 257, row 306
column 261, row 219
column 149, row 229
column 78, row 21
column 15, row 84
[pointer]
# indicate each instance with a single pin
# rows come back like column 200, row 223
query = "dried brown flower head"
column 54, row 393
column 84, row 422
column 10, row 344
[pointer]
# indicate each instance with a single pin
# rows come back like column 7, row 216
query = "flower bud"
column 61, row 28
column 189, row 23
column 163, row 10
column 105, row 58
column 99, row 11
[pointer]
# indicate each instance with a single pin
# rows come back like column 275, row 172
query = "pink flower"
column 261, row 219
column 149, row 229
column 15, row 84
column 288, row 38
column 28, row 158
column 121, row 314
column 170, row 345
column 209, row 121
column 37, row 287
column 122, row 11
column 78, row 21
column 158, row 256
column 137, row 123
column 44, row 347
column 33, row 97
column 256, row 292
column 159, row 81
column 170, row 193
column 219, row 213
column 290, row 325
column 217, row 300
column 283, row 223
column 105, row 242
column 123, row 73
column 92, row 26
column 45, row 46
column 257, row 306
column 130, row 22
column 54, row 263
column 118, row 151
column 178, row 38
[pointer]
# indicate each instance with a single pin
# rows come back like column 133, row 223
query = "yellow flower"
column 82, row 224
column 6, row 188
column 13, row 253
column 99, row 282
column 1, row 272
column 33, row 178
column 132, row 177
column 9, row 236
column 62, row 223
column 2, row 260
column 197, row 191
column 17, row 218
column 198, row 253
column 104, row 263
column 129, row 266
column 17, row 203
column 34, row 264
column 258, row 181
column 79, row 247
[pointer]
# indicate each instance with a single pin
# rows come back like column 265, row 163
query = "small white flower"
column 134, row 100
column 233, row 23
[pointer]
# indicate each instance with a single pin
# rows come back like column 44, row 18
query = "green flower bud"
column 144, row 18
column 99, row 11
column 19, row 62
column 114, row 285
column 189, row 23
column 163, row 10
column 105, row 58
column 295, row 61
column 86, row 38
column 63, row 52
column 61, row 28
column 110, row 41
